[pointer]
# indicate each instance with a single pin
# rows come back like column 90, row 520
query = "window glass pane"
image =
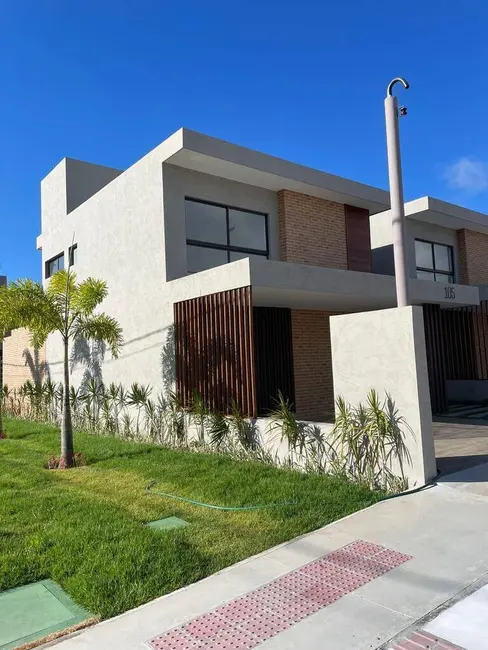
column 424, row 275
column 234, row 255
column 73, row 254
column 55, row 265
column 442, row 255
column 247, row 230
column 423, row 254
column 206, row 223
column 441, row 277
column 199, row 258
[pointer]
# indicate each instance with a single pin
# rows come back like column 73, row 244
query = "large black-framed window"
column 217, row 234
column 434, row 261
column 53, row 265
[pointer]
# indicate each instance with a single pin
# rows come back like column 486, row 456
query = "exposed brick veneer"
column 473, row 257
column 311, row 230
column 312, row 361
column 20, row 361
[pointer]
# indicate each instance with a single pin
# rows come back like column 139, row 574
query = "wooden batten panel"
column 214, row 350
column 358, row 239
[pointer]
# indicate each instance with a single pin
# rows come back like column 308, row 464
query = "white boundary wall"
column 385, row 350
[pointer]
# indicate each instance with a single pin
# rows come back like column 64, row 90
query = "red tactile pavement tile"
column 248, row 621
column 422, row 640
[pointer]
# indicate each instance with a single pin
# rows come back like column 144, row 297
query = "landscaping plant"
column 369, row 442
column 366, row 444
column 66, row 307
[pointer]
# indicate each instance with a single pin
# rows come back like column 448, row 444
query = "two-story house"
column 224, row 265
column 446, row 244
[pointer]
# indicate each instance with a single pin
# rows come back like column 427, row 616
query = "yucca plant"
column 287, row 428
column 51, row 392
column 175, row 419
column 218, row 428
column 243, row 428
column 138, row 397
column 369, row 441
column 199, row 414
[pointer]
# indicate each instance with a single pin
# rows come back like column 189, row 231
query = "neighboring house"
column 447, row 244
column 223, row 266
column 3, row 282
column 19, row 362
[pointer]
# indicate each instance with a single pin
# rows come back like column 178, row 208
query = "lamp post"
column 396, row 191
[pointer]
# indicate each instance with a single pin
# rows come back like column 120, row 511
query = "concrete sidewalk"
column 441, row 532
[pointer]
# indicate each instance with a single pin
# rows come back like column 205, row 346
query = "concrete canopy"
column 297, row 286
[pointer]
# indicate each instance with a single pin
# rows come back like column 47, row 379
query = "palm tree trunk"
column 66, row 425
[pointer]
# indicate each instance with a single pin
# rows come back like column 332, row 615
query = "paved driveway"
column 460, row 444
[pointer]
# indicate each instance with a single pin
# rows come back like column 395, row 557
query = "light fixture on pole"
column 396, row 190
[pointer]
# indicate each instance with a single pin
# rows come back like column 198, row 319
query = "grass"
column 84, row 527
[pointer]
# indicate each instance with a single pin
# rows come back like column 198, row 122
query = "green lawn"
column 84, row 527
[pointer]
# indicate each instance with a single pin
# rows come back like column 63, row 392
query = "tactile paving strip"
column 422, row 640
column 265, row 612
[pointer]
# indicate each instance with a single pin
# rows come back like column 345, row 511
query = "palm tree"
column 68, row 308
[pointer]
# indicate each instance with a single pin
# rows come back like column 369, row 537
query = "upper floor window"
column 73, row 254
column 434, row 261
column 54, row 264
column 217, row 234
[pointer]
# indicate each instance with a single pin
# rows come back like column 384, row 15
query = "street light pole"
column 396, row 192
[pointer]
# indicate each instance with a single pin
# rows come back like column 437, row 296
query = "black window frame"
column 71, row 250
column 447, row 274
column 228, row 247
column 47, row 274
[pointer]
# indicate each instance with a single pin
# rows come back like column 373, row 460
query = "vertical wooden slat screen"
column 214, row 350
column 358, row 239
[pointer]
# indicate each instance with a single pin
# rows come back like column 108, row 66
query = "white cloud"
column 467, row 174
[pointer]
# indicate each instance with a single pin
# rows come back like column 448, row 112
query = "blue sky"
column 107, row 80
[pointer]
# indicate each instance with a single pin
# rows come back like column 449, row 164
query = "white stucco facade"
column 393, row 362
column 129, row 228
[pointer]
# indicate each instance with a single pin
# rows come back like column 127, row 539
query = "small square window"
column 73, row 254
column 54, row 264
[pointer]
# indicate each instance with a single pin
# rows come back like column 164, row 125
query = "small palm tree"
column 67, row 307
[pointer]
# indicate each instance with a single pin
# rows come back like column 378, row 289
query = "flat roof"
column 210, row 155
column 449, row 215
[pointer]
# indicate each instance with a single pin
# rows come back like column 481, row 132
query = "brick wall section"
column 311, row 230
column 20, row 361
column 312, row 362
column 473, row 257
column 473, row 269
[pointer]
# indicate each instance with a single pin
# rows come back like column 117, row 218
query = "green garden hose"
column 214, row 507
column 271, row 505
